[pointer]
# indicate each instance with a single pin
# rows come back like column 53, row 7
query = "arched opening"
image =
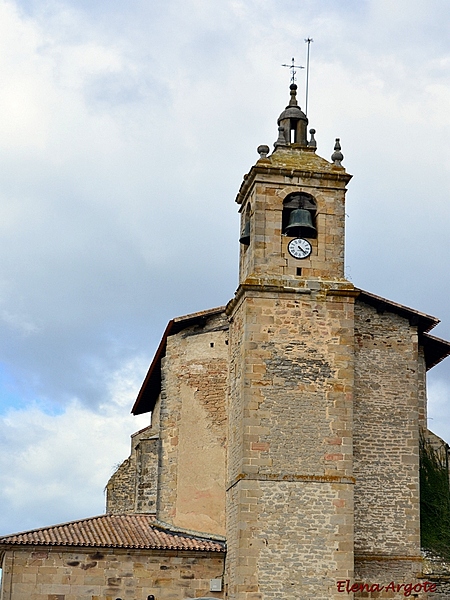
column 299, row 215
column 245, row 227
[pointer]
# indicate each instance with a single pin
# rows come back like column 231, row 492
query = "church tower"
column 290, row 456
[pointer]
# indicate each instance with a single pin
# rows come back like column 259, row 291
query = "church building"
column 283, row 458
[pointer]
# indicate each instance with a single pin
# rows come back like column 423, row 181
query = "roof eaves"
column 423, row 321
column 112, row 531
column 435, row 349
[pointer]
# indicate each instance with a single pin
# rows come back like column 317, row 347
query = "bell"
column 245, row 237
column 300, row 224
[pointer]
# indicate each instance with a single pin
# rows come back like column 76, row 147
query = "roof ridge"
column 57, row 525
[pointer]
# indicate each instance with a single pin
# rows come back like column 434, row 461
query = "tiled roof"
column 113, row 531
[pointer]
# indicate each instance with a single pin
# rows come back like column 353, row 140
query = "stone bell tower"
column 290, row 466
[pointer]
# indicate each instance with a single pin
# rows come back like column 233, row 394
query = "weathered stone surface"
column 133, row 487
column 118, row 574
column 193, row 428
column 386, row 434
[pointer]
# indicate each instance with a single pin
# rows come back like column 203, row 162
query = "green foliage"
column 434, row 499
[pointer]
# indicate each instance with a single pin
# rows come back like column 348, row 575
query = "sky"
column 125, row 130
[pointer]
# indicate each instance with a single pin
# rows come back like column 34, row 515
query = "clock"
column 299, row 248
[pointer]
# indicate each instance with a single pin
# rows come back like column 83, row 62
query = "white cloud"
column 53, row 467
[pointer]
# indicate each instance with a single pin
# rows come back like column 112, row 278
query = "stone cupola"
column 292, row 205
column 292, row 123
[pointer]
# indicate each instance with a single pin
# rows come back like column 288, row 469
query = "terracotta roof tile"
column 113, row 531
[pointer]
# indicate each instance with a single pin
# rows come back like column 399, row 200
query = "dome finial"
column 337, row 157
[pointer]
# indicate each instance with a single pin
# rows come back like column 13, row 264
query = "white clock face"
column 299, row 248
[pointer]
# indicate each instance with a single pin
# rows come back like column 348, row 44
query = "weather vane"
column 293, row 66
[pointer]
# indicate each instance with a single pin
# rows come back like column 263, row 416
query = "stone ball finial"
column 263, row 150
column 312, row 142
column 337, row 155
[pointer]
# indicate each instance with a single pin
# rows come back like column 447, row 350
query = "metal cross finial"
column 293, row 66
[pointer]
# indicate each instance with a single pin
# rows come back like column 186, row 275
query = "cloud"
column 53, row 467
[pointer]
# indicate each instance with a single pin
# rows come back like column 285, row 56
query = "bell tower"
column 294, row 193
column 290, row 464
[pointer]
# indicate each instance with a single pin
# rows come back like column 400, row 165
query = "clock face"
column 299, row 248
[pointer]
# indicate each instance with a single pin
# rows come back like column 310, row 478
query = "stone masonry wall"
column 193, row 428
column 235, row 404
column 291, row 478
column 395, row 577
column 108, row 574
column 297, row 385
column 133, row 487
column 147, row 475
column 121, row 488
column 389, row 389
column 267, row 253
column 302, row 536
column 422, row 388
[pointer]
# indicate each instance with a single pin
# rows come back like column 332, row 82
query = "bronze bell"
column 301, row 224
column 245, row 237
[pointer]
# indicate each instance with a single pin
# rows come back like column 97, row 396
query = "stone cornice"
column 267, row 286
column 338, row 174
